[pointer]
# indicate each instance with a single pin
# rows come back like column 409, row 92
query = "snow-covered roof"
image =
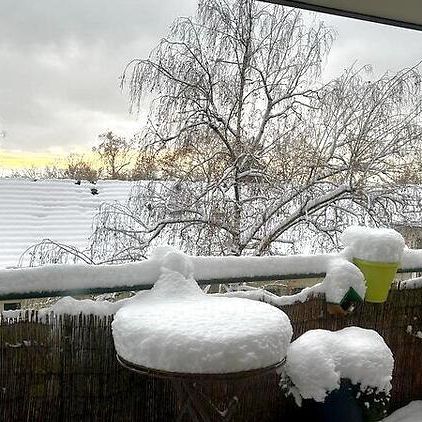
column 61, row 210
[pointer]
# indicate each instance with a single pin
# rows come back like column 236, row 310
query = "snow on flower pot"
column 377, row 253
column 340, row 375
column 379, row 277
column 339, row 405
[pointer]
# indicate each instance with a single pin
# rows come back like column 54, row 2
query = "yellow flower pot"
column 378, row 276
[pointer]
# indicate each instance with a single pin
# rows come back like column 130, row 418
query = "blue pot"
column 339, row 406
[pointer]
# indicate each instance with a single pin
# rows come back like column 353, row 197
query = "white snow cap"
column 176, row 327
column 318, row 359
column 70, row 306
column 373, row 244
column 173, row 260
column 341, row 276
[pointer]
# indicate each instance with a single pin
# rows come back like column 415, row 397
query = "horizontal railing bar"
column 73, row 292
column 410, row 270
column 137, row 287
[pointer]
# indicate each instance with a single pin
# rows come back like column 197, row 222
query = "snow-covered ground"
column 410, row 413
column 61, row 210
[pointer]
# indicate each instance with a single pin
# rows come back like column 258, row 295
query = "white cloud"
column 61, row 61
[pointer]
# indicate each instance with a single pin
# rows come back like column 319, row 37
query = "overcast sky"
column 60, row 62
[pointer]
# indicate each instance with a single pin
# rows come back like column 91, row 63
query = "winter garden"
column 256, row 173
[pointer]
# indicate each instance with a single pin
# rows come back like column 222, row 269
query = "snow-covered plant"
column 318, row 360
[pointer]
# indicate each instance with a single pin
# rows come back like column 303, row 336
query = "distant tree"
column 79, row 168
column 115, row 153
column 146, row 166
column 52, row 171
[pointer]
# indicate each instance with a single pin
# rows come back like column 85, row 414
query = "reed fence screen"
column 64, row 368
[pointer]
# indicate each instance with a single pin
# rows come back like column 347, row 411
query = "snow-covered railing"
column 72, row 280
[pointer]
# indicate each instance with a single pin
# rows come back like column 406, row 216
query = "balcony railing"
column 74, row 280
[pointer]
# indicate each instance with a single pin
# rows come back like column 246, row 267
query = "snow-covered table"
column 178, row 332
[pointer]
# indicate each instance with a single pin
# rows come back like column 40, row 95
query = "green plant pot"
column 378, row 276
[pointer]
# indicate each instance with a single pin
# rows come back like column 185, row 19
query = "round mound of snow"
column 373, row 244
column 318, row 359
column 199, row 333
column 341, row 276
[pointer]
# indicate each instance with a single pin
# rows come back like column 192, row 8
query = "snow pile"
column 13, row 314
column 70, row 306
column 248, row 267
column 63, row 277
column 176, row 327
column 373, row 244
column 412, row 283
column 341, row 276
column 410, row 413
column 412, row 259
column 59, row 277
column 318, row 359
column 171, row 259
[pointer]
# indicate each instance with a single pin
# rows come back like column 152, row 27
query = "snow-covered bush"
column 319, row 359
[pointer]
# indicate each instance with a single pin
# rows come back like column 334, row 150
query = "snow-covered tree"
column 115, row 155
column 263, row 151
